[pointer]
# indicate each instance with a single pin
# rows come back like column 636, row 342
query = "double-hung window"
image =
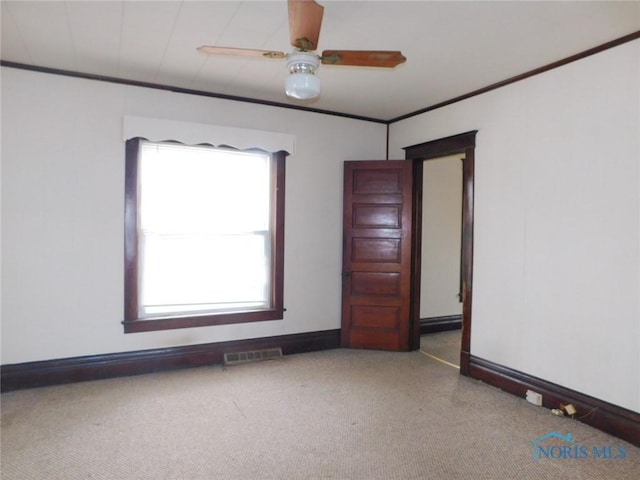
column 204, row 237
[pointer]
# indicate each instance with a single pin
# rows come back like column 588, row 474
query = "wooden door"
column 376, row 265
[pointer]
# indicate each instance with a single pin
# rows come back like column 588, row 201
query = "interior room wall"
column 441, row 237
column 63, row 212
column 556, row 241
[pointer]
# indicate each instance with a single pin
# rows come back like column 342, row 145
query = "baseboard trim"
column 440, row 324
column 95, row 367
column 609, row 418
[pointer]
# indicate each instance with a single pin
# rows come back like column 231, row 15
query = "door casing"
column 463, row 143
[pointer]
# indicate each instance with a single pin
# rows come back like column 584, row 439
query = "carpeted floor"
column 339, row 414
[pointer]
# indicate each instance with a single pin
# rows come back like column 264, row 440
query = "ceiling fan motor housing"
column 302, row 83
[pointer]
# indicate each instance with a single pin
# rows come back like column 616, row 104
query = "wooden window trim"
column 131, row 321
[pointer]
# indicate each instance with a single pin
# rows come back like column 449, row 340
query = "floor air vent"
column 254, row 356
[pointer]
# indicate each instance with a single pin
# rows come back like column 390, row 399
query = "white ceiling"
column 452, row 48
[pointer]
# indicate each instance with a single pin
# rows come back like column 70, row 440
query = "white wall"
column 441, row 237
column 557, row 230
column 62, row 213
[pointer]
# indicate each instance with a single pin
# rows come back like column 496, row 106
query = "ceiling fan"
column 305, row 20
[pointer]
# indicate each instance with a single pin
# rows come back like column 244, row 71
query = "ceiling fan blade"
column 243, row 52
column 363, row 58
column 305, row 20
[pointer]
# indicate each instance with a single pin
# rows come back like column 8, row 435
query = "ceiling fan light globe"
column 302, row 86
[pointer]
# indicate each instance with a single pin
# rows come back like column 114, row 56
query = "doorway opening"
column 463, row 145
column 441, row 268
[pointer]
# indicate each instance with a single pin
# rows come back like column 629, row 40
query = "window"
column 204, row 235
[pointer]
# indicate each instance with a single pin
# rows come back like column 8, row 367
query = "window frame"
column 132, row 323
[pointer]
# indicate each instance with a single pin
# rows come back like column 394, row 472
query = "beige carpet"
column 340, row 414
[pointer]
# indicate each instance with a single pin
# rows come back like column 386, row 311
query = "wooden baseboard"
column 440, row 324
column 609, row 418
column 95, row 367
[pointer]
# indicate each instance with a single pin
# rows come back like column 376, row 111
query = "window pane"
column 202, row 189
column 204, row 230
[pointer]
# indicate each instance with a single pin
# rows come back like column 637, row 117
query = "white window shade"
column 200, row 177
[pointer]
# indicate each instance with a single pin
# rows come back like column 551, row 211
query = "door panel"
column 382, row 216
column 376, row 270
column 375, row 317
column 376, row 250
column 375, row 283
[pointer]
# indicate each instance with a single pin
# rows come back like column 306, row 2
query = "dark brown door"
column 376, row 265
